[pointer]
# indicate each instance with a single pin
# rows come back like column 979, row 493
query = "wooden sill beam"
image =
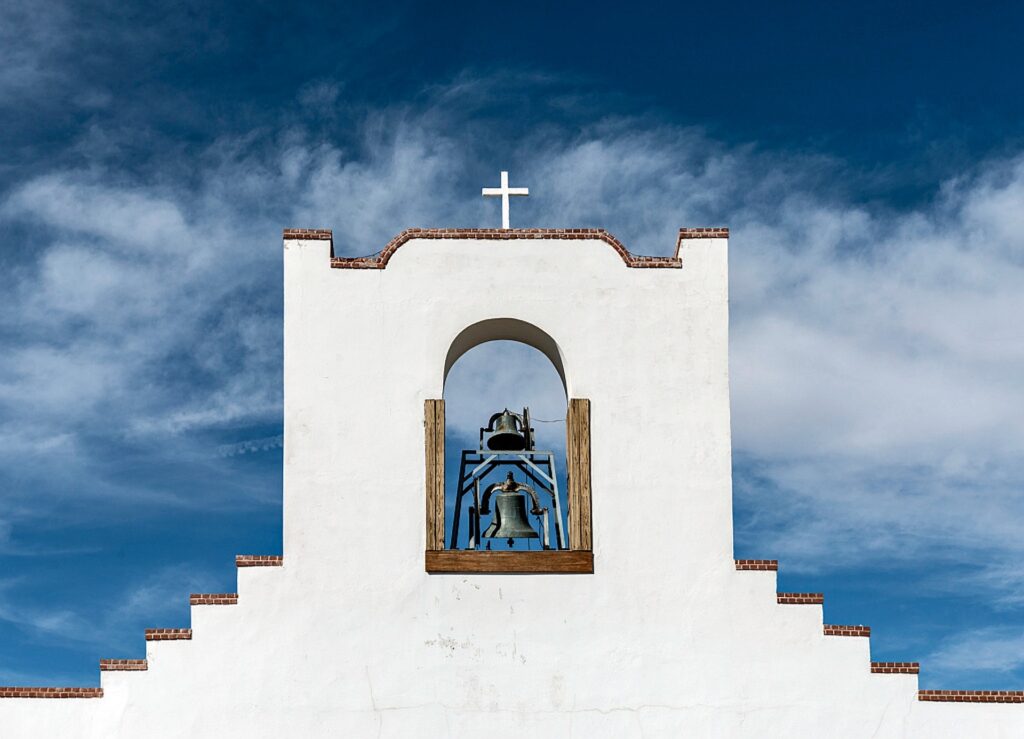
column 554, row 562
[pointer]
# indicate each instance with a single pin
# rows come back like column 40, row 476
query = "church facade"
column 643, row 625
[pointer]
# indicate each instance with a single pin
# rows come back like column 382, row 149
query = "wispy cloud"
column 505, row 375
column 880, row 344
column 999, row 650
column 159, row 599
column 251, row 445
column 877, row 358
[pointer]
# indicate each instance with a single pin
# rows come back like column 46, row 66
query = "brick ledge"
column 11, row 692
column 308, row 234
column 213, row 599
column 259, row 560
column 757, row 564
column 168, row 634
column 972, row 696
column 895, row 668
column 837, row 630
column 800, row 599
column 123, row 665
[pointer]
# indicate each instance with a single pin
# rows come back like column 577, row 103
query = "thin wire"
column 541, row 420
column 367, row 256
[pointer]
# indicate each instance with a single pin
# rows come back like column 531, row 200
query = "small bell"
column 508, row 434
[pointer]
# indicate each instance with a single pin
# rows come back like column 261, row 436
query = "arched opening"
column 506, row 330
column 494, row 366
column 491, row 366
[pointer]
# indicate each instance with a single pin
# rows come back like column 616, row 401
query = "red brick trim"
column 308, row 234
column 168, row 634
column 7, row 692
column 380, row 261
column 834, row 630
column 123, row 665
column 258, row 560
column 714, row 232
column 972, row 696
column 801, row 599
column 213, row 599
column 686, row 234
column 757, row 564
column 896, row 668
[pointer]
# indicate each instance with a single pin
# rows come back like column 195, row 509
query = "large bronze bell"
column 510, row 518
column 508, row 435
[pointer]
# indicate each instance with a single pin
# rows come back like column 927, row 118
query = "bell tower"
column 643, row 340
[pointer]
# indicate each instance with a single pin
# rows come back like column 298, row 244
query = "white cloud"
column 505, row 374
column 877, row 354
column 994, row 650
column 123, row 218
column 160, row 599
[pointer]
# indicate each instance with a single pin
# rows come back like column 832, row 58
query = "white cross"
column 504, row 191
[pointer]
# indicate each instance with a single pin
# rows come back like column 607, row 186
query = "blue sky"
column 869, row 160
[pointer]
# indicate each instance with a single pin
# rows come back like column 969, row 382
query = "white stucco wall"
column 665, row 639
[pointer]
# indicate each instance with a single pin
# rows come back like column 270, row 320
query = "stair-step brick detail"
column 758, row 564
column 836, row 630
column 258, row 560
column 801, row 599
column 896, row 668
column 972, row 696
column 123, row 665
column 213, row 599
column 168, row 634
column 7, row 692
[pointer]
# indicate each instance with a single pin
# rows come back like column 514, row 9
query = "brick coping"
column 259, row 560
column 800, row 598
column 213, row 599
column 10, row 692
column 381, row 259
column 168, row 634
column 896, row 668
column 123, row 665
column 972, row 696
column 757, row 564
column 837, row 630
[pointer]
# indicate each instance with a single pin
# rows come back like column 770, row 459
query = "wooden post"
column 578, row 470
column 433, row 423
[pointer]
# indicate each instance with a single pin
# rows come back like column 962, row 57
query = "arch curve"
column 506, row 329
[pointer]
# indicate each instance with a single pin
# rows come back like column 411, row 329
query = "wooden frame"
column 577, row 453
column 579, row 558
column 433, row 424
